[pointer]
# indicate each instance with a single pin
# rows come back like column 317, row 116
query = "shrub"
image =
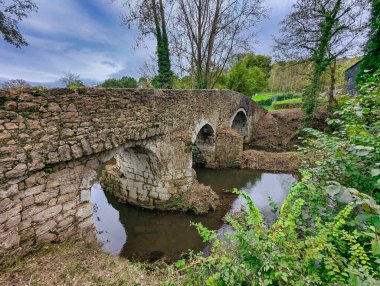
column 287, row 104
column 328, row 230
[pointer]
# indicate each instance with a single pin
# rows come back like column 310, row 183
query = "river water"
column 150, row 235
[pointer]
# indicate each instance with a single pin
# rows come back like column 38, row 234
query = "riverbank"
column 80, row 264
column 271, row 161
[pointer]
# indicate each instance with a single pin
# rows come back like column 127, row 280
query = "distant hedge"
column 277, row 98
column 286, row 104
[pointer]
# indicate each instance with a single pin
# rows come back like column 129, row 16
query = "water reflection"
column 150, row 235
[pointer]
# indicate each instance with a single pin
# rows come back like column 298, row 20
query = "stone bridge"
column 55, row 142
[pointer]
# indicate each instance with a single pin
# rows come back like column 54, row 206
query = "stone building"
column 350, row 79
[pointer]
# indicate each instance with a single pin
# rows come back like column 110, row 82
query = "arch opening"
column 133, row 176
column 240, row 123
column 203, row 150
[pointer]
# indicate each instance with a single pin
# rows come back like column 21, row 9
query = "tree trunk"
column 331, row 93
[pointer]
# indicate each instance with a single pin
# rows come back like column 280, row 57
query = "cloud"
column 86, row 38
column 72, row 36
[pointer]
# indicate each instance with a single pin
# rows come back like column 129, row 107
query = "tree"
column 71, row 80
column 15, row 83
column 321, row 31
column 11, row 13
column 247, row 76
column 206, row 34
column 289, row 76
column 371, row 60
column 150, row 18
column 124, row 82
column 260, row 61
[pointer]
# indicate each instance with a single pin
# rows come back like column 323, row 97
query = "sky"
column 85, row 37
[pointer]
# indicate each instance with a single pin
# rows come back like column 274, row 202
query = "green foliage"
column 76, row 84
column 165, row 74
column 353, row 146
column 182, row 83
column 287, row 104
column 371, row 60
column 260, row 61
column 327, row 232
column 287, row 253
column 269, row 99
column 124, row 82
column 249, row 75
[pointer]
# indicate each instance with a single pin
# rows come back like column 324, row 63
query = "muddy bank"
column 278, row 129
column 271, row 161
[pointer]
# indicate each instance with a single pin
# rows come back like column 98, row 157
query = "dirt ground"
column 80, row 264
column 271, row 161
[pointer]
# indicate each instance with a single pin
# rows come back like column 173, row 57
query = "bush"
column 267, row 100
column 287, row 104
column 328, row 230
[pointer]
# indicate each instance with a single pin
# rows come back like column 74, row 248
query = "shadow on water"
column 151, row 235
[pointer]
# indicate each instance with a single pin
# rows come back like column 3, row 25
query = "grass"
column 264, row 96
column 292, row 100
column 81, row 264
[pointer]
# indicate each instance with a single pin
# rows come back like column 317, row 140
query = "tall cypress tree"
column 371, row 60
column 165, row 75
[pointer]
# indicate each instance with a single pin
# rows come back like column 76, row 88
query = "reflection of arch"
column 239, row 122
column 204, row 146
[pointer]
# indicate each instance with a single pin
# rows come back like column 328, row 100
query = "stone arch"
column 239, row 122
column 133, row 175
column 203, row 151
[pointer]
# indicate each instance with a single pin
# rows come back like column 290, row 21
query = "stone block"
column 87, row 223
column 66, row 222
column 74, row 188
column 64, row 152
column 66, row 197
column 84, row 211
column 13, row 221
column 17, row 171
column 69, row 205
column 14, row 211
column 31, row 211
column 6, row 204
column 164, row 196
column 48, row 213
column 45, row 227
column 11, row 191
column 27, row 201
column 8, row 240
column 32, row 191
column 45, row 196
column 85, row 196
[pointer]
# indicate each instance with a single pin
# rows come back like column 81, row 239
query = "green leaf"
column 376, row 248
column 375, row 172
column 333, row 190
column 345, row 197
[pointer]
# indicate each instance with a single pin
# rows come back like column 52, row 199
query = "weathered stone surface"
column 50, row 154
column 32, row 191
column 12, row 212
column 64, row 152
column 45, row 227
column 8, row 240
column 48, row 213
column 17, row 171
column 84, row 211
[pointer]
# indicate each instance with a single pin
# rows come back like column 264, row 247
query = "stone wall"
column 52, row 142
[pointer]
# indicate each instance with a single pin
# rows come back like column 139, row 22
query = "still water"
column 150, row 235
